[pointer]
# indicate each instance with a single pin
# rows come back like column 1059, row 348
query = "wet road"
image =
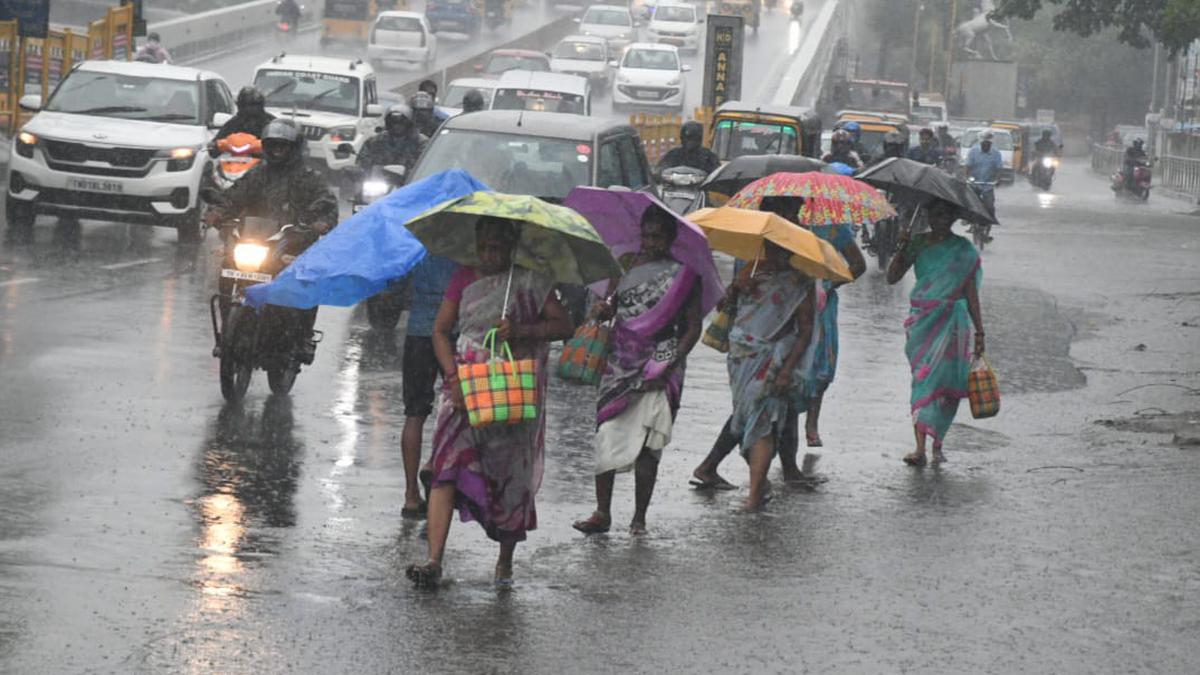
column 146, row 527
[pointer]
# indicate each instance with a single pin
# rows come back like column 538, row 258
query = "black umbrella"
column 742, row 171
column 919, row 183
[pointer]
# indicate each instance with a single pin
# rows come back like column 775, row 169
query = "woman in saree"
column 490, row 474
column 767, row 341
column 656, row 304
column 944, row 305
column 823, row 366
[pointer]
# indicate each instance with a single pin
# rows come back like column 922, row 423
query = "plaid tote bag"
column 983, row 390
column 717, row 333
column 500, row 390
column 584, row 356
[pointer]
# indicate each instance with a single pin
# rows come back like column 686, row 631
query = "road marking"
column 131, row 263
column 19, row 282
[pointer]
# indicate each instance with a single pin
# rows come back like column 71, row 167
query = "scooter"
column 981, row 234
column 1041, row 175
column 270, row 338
column 681, row 191
column 494, row 13
column 1141, row 181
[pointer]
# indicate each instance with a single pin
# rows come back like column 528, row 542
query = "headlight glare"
column 25, row 144
column 374, row 189
column 249, row 257
column 343, row 134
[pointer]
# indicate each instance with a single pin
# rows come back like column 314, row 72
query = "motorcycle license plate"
column 246, row 276
column 93, row 185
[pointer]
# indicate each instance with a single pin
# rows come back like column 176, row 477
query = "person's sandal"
column 913, row 459
column 504, row 576
column 637, row 529
column 597, row 523
column 427, row 576
column 938, row 457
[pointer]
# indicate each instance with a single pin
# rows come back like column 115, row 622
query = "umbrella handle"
column 913, row 220
column 507, row 289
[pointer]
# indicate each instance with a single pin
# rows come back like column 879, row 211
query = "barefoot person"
column 657, row 310
column 945, row 304
column 825, row 343
column 766, row 344
column 491, row 474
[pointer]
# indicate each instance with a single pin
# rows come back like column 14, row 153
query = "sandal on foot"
column 713, row 482
column 814, row 440
column 597, row 523
column 637, row 529
column 504, row 577
column 414, row 512
column 938, row 457
column 914, row 459
column 428, row 575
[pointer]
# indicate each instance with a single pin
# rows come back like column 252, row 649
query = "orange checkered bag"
column 499, row 391
column 983, row 390
column 585, row 356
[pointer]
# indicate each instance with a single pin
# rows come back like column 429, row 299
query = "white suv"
column 118, row 141
column 333, row 101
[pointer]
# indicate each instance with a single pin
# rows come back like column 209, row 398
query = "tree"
column 1174, row 23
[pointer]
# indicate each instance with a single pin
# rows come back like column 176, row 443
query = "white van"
column 333, row 101
column 544, row 92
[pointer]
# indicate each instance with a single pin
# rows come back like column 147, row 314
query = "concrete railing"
column 802, row 83
column 194, row 37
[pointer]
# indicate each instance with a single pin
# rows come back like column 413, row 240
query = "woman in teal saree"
column 944, row 305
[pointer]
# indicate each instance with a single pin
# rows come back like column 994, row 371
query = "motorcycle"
column 797, row 10
column 883, row 242
column 287, row 25
column 981, row 234
column 681, row 190
column 1141, row 181
column 384, row 308
column 1041, row 175
column 257, row 250
column 494, row 13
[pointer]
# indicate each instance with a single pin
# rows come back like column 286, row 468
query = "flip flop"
column 428, row 575
column 915, row 461
column 637, row 529
column 715, row 483
column 594, row 524
column 814, row 441
column 415, row 513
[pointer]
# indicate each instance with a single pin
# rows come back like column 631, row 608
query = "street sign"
column 723, row 60
column 139, row 23
column 1045, row 116
column 33, row 16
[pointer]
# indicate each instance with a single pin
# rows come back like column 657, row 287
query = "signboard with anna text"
column 723, row 60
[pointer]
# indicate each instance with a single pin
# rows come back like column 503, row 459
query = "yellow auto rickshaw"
column 351, row 20
column 873, row 128
column 1020, row 135
column 740, row 129
column 749, row 10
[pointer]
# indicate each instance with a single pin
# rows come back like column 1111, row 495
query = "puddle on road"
column 1029, row 340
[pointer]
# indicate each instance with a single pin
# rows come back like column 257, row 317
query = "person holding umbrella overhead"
column 657, row 306
column 513, row 250
column 772, row 327
column 945, row 299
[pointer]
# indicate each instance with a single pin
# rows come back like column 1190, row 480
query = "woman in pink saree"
column 490, row 474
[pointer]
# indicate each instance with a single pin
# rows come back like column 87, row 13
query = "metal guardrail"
column 1181, row 174
column 1106, row 159
column 193, row 37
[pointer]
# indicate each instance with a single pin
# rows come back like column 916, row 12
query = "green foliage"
column 1174, row 23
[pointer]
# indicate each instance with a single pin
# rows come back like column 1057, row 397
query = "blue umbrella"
column 359, row 257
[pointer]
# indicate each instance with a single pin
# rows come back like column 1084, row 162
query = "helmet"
column 893, row 144
column 153, row 37
column 421, row 101
column 398, row 119
column 852, row 127
column 472, row 101
column 429, row 87
column 840, row 136
column 691, row 131
column 1046, row 133
column 1137, row 142
column 281, row 142
column 250, row 97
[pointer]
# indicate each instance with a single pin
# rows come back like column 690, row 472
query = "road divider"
column 803, row 80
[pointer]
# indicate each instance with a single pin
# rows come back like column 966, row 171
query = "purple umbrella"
column 617, row 217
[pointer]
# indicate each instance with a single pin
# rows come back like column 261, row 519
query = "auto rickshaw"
column 1020, row 135
column 749, row 10
column 873, row 128
column 351, row 20
column 740, row 129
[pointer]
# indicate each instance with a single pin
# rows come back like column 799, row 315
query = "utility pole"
column 950, row 47
column 912, row 64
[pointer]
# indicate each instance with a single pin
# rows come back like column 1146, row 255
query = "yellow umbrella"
column 741, row 233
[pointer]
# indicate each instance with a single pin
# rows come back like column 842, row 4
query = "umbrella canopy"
column 360, row 256
column 829, row 199
column 553, row 239
column 742, row 233
column 919, row 183
column 617, row 217
column 742, row 171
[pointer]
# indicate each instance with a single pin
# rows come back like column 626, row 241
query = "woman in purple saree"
column 658, row 312
column 490, row 474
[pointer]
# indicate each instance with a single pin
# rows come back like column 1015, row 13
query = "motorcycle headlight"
column 343, row 134
column 374, row 189
column 249, row 257
column 1048, row 162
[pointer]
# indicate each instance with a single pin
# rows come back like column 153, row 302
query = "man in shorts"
column 420, row 371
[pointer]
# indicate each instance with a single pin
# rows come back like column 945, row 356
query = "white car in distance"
column 457, row 89
column 586, row 57
column 675, row 23
column 650, row 75
column 611, row 22
column 401, row 36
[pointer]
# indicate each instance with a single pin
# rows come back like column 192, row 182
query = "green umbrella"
column 554, row 240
